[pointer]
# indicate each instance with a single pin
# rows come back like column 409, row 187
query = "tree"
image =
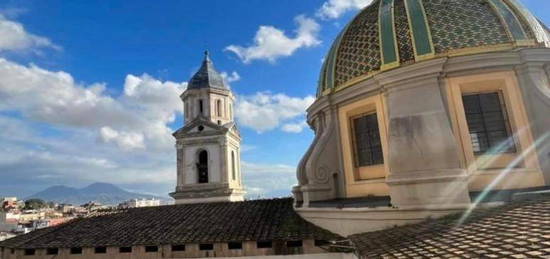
column 35, row 204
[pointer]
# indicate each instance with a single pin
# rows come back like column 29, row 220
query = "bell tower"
column 208, row 145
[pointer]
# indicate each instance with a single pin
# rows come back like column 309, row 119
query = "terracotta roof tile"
column 272, row 219
column 520, row 229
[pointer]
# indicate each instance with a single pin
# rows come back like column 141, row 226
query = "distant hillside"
column 99, row 192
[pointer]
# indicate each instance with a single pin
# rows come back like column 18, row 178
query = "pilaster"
column 424, row 164
column 534, row 83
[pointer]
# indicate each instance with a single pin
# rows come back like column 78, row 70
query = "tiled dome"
column 392, row 33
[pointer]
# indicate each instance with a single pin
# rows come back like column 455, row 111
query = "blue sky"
column 88, row 89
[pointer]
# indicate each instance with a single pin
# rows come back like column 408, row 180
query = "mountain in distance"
column 103, row 193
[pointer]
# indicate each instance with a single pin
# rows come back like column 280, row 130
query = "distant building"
column 94, row 206
column 10, row 199
column 7, row 203
column 66, row 208
column 138, row 203
column 8, row 221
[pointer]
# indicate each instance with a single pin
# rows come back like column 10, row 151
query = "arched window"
column 219, row 108
column 201, row 108
column 202, row 167
column 233, row 170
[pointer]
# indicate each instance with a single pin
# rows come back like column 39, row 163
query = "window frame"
column 505, row 115
column 369, row 180
column 364, row 174
column 514, row 110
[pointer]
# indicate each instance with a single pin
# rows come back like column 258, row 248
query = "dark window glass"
column 219, row 108
column 235, row 245
column 296, row 243
column 151, row 249
column 178, row 248
column 321, row 242
column 368, row 147
column 202, row 167
column 101, row 250
column 30, row 251
column 487, row 123
column 125, row 249
column 204, row 247
column 233, row 170
column 52, row 251
column 264, row 244
column 13, row 251
column 76, row 250
column 201, row 108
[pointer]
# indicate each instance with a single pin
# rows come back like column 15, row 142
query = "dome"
column 391, row 33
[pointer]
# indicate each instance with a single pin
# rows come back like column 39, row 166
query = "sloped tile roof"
column 520, row 229
column 255, row 220
column 206, row 76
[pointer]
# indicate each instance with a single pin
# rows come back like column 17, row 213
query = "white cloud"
column 230, row 78
column 271, row 43
column 333, row 9
column 264, row 111
column 14, row 37
column 294, row 127
column 124, row 140
column 144, row 109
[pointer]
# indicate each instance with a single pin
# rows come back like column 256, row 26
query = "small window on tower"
column 219, row 108
column 233, row 169
column 201, row 108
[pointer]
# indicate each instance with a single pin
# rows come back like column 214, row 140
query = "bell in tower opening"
column 208, row 145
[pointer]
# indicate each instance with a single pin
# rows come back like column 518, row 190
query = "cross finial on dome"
column 206, row 55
